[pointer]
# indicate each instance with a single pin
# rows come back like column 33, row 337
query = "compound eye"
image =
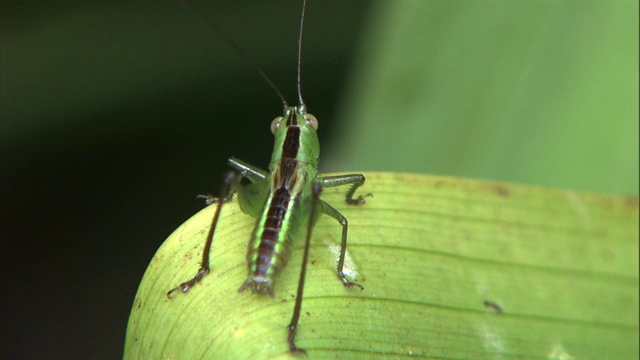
column 311, row 121
column 275, row 124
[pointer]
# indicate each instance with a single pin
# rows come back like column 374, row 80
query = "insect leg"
column 246, row 171
column 355, row 180
column 249, row 171
column 316, row 189
column 229, row 178
column 252, row 188
column 331, row 211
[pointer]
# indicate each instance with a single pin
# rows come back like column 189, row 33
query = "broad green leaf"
column 431, row 251
column 537, row 92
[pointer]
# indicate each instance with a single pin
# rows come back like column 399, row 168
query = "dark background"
column 113, row 117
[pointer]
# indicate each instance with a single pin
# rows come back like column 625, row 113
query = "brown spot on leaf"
column 632, row 202
column 501, row 190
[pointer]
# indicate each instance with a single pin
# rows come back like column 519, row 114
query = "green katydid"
column 284, row 200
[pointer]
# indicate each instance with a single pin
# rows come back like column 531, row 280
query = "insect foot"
column 185, row 286
column 293, row 329
column 360, row 199
column 348, row 283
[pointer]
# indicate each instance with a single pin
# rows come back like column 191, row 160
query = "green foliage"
column 562, row 266
column 538, row 92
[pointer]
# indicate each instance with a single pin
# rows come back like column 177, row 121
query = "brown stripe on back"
column 287, row 172
column 272, row 226
column 291, row 143
column 292, row 119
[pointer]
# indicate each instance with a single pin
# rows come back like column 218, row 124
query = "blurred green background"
column 113, row 115
column 537, row 92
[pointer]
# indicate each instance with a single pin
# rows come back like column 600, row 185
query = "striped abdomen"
column 270, row 242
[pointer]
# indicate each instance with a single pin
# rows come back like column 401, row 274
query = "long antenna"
column 304, row 5
column 241, row 52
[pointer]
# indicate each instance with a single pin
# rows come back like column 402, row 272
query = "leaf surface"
column 452, row 268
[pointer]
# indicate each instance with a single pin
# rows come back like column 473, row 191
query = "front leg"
column 329, row 210
column 229, row 179
column 355, row 180
column 252, row 194
column 247, row 170
column 249, row 195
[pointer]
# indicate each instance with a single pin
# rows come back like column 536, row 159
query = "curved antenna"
column 238, row 50
column 304, row 5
